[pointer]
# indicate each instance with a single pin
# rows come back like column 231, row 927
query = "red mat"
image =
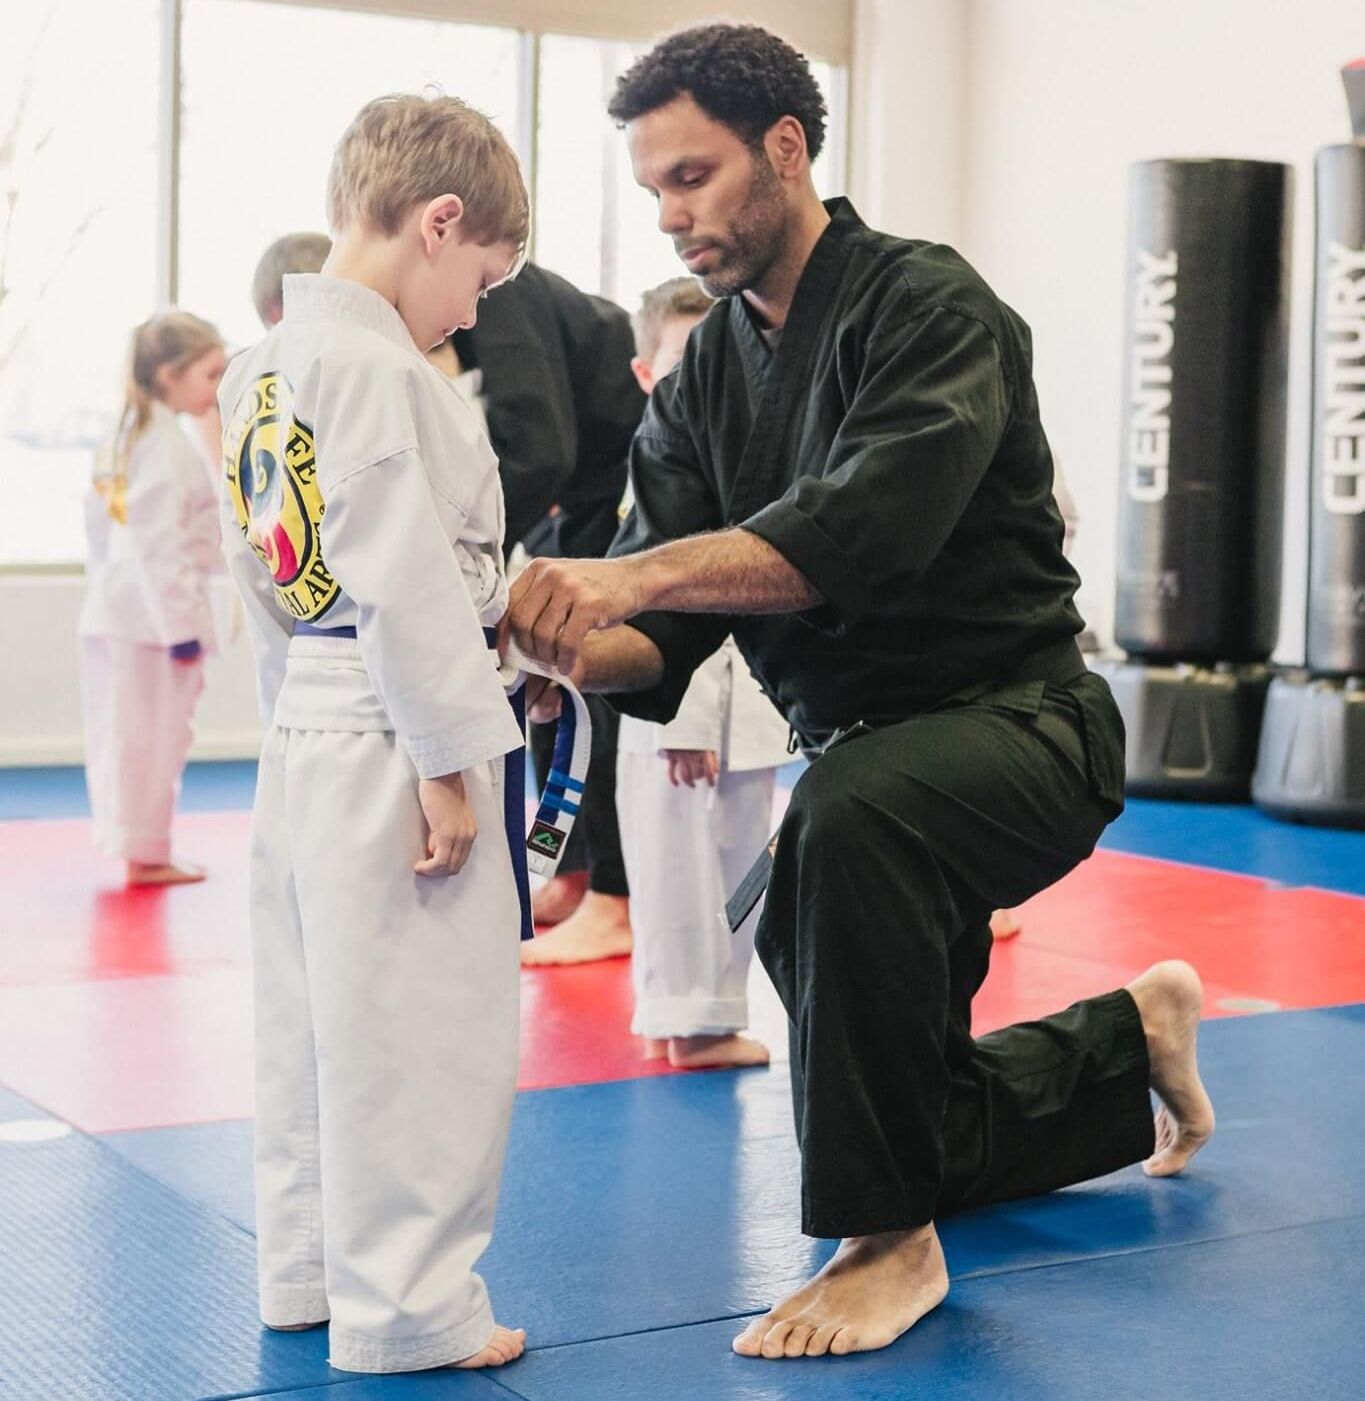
column 130, row 1009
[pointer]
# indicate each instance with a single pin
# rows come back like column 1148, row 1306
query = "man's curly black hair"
column 738, row 74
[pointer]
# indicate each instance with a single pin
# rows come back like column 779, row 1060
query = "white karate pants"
column 686, row 850
column 386, row 1032
column 139, row 724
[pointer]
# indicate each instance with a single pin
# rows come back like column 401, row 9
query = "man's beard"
column 754, row 240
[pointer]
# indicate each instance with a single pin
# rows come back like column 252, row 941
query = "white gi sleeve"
column 267, row 627
column 419, row 634
column 700, row 721
column 171, row 581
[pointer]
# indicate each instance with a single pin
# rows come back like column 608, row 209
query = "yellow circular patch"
column 271, row 471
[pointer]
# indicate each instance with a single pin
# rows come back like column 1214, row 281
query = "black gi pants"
column 595, row 842
column 897, row 846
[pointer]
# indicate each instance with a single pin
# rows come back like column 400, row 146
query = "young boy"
column 363, row 523
column 695, row 800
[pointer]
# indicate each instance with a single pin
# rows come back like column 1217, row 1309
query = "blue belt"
column 302, row 629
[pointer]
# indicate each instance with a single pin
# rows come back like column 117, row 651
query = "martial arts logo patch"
column 271, row 470
column 545, row 839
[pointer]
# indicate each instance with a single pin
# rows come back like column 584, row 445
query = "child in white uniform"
column 146, row 623
column 363, row 524
column 695, row 801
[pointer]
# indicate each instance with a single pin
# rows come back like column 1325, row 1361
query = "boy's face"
column 672, row 342
column 445, row 283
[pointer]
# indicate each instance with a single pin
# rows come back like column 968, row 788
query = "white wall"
column 1063, row 95
column 40, row 700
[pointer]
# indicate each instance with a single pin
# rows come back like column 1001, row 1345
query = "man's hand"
column 451, row 825
column 692, row 766
column 556, row 603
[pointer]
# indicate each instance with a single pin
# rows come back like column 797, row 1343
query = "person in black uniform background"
column 562, row 406
column 849, row 473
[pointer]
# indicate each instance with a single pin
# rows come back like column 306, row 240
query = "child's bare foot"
column 506, row 1345
column 1169, row 999
column 163, row 873
column 558, row 898
column 294, row 1327
column 1005, row 924
column 599, row 928
column 713, row 1052
column 873, row 1289
column 656, row 1048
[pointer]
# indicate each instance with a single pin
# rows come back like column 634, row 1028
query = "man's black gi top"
column 891, row 449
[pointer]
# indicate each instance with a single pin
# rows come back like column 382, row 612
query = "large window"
column 124, row 186
column 594, row 225
column 79, row 87
column 267, row 90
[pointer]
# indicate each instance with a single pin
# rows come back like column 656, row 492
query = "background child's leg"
column 413, row 984
column 742, row 823
column 288, row 1178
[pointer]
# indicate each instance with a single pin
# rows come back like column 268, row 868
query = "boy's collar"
column 314, row 297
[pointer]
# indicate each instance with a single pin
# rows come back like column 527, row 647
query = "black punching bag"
column 1336, row 590
column 1205, row 384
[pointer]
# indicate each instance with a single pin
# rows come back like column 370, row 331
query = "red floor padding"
column 129, row 1009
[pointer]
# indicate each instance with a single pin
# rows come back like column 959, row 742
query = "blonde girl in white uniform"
column 146, row 624
column 695, row 800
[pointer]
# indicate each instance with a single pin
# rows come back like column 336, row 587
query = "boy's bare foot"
column 1005, row 924
column 163, row 873
column 873, row 1289
column 1169, row 999
column 715, row 1052
column 656, row 1047
column 599, row 928
column 506, row 1345
column 558, row 898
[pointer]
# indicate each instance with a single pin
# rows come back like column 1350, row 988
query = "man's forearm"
column 619, row 659
column 727, row 571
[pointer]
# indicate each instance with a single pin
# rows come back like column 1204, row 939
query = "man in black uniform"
column 848, row 472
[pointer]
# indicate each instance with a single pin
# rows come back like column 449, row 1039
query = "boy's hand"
column 692, row 766
column 451, row 827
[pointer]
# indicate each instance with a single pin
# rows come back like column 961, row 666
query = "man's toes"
column 798, row 1339
column 775, row 1343
column 750, row 1342
column 820, row 1340
column 844, row 1341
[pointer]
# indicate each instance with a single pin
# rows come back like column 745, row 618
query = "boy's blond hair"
column 405, row 149
column 294, row 253
column 680, row 296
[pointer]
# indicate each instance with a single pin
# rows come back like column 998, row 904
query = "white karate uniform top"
column 386, row 1002
column 686, row 849
column 152, row 543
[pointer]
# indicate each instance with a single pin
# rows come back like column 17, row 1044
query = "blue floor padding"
column 1274, row 1316
column 653, row 1204
column 227, row 786
column 115, row 1288
column 1241, row 840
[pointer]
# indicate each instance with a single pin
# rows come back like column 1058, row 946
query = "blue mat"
column 29, row 794
column 654, row 1204
column 1241, row 840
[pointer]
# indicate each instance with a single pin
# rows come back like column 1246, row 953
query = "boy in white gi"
column 152, row 543
column 363, row 522
column 695, row 802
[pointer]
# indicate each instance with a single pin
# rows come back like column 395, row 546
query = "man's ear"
column 785, row 143
column 644, row 375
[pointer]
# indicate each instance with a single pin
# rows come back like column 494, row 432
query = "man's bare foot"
column 656, row 1048
column 599, row 928
column 163, row 873
column 1169, row 999
column 558, row 898
column 873, row 1289
column 506, row 1345
column 715, row 1052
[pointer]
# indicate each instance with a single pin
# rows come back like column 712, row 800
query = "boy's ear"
column 644, row 375
column 441, row 220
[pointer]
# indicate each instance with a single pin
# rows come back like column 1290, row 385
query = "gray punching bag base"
column 1311, row 766
column 1191, row 730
